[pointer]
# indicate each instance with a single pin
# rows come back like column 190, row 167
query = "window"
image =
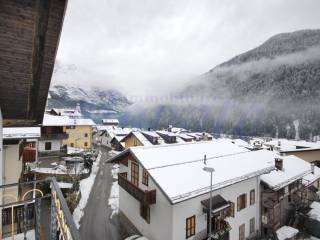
column 242, row 202
column 86, row 135
column 242, row 229
column 71, row 144
column 135, row 142
column 252, row 225
column 252, row 197
column 85, row 144
column 145, row 177
column 231, row 209
column 47, row 146
column 135, row 173
column 190, row 226
column 145, row 213
column 289, row 198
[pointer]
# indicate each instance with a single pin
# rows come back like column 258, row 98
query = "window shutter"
column 245, row 200
column 238, row 204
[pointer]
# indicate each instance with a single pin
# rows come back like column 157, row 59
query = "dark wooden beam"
column 40, row 28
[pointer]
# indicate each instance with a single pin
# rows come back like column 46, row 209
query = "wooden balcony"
column 29, row 154
column 144, row 197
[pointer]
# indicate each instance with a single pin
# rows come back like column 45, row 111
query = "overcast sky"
column 153, row 46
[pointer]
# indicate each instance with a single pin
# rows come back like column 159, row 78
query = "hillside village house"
column 165, row 187
column 107, row 133
column 79, row 133
column 53, row 134
column 110, row 122
column 135, row 138
column 282, row 188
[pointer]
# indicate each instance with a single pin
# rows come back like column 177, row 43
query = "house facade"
column 79, row 133
column 19, row 151
column 52, row 135
column 285, row 189
column 161, row 189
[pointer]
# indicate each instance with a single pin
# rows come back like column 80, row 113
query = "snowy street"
column 100, row 220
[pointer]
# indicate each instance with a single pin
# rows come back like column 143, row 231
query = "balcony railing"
column 53, row 136
column 144, row 197
column 62, row 225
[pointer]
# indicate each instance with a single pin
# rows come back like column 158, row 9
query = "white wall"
column 55, row 145
column 183, row 210
column 12, row 167
column 161, row 225
column 169, row 221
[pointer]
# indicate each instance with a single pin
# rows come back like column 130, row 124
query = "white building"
column 19, row 150
column 107, row 134
column 164, row 190
column 53, row 134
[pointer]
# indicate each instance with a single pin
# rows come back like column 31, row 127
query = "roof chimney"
column 205, row 159
column 312, row 168
column 279, row 163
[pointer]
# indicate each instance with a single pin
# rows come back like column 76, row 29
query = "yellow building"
column 80, row 133
column 135, row 139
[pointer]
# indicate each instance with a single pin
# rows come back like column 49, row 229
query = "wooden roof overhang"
column 29, row 36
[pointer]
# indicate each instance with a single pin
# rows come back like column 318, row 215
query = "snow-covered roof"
column 241, row 143
column 294, row 168
column 21, row 132
column 286, row 232
column 110, row 121
column 310, row 178
column 53, row 120
column 185, row 136
column 83, row 122
column 142, row 139
column 178, row 130
column 231, row 163
column 291, row 145
column 151, row 133
column 104, row 127
column 70, row 112
column 171, row 134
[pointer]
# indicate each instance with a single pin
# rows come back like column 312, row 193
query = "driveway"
column 96, row 223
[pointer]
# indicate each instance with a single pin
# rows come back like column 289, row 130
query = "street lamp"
column 210, row 170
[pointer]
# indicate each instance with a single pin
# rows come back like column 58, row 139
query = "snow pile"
column 115, row 171
column 113, row 200
column 314, row 213
column 286, row 232
column 72, row 150
column 30, row 236
column 85, row 189
column 136, row 237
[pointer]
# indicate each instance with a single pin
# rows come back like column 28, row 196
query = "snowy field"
column 85, row 189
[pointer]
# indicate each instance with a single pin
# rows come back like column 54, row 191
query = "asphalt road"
column 96, row 223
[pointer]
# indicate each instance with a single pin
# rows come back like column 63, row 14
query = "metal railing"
column 62, row 225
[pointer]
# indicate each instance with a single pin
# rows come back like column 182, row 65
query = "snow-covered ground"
column 136, row 237
column 113, row 200
column 85, row 189
column 314, row 213
column 30, row 236
column 286, row 232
